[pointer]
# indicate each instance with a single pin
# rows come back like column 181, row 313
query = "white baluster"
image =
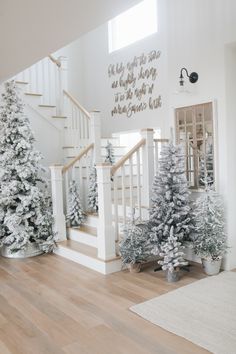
column 148, row 166
column 106, row 234
column 96, row 135
column 138, row 184
column 123, row 192
column 115, row 203
column 57, row 202
column 131, row 185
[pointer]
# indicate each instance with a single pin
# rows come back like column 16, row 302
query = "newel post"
column 106, row 232
column 95, row 135
column 148, row 166
column 62, row 84
column 57, row 202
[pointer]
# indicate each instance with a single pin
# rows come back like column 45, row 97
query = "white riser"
column 82, row 237
column 92, row 220
column 47, row 111
column 89, row 262
column 32, row 100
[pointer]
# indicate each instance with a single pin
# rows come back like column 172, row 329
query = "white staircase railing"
column 78, row 119
column 125, row 170
column 78, row 170
column 46, row 77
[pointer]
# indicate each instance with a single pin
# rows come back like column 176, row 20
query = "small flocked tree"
column 135, row 246
column 25, row 205
column 93, row 191
column 170, row 200
column 211, row 241
column 110, row 158
column 206, row 166
column 75, row 216
column 172, row 256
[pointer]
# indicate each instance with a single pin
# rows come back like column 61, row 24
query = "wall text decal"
column 134, row 83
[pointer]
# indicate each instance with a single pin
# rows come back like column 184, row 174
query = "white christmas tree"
column 211, row 241
column 110, row 158
column 25, row 205
column 171, row 253
column 135, row 246
column 206, row 166
column 75, row 216
column 170, row 198
column 93, row 191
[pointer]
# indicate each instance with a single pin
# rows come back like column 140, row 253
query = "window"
column 194, row 129
column 132, row 25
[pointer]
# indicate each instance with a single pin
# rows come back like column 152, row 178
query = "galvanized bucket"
column 172, row 277
column 211, row 267
column 31, row 250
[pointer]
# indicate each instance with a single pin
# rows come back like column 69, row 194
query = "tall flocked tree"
column 211, row 240
column 25, row 205
column 170, row 200
column 93, row 191
column 75, row 215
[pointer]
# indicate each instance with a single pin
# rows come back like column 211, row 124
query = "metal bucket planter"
column 211, row 267
column 31, row 250
column 172, row 277
column 134, row 267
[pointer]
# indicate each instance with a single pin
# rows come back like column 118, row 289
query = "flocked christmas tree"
column 170, row 200
column 206, row 166
column 211, row 241
column 75, row 216
column 172, row 256
column 135, row 245
column 110, row 158
column 25, row 205
column 93, row 191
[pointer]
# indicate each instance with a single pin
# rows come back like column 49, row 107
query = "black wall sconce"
column 193, row 77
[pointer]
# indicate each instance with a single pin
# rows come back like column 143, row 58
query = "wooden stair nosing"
column 21, row 82
column 46, row 106
column 60, row 117
column 33, row 94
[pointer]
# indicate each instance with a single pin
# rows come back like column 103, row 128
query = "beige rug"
column 203, row 312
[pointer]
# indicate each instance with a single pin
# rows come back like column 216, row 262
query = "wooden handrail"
column 127, row 156
column 77, row 158
column 161, row 140
column 74, row 100
column 54, row 60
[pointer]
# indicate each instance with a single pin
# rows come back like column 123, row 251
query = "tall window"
column 194, row 129
column 132, row 25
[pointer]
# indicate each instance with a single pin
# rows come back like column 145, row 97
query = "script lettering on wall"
column 133, row 84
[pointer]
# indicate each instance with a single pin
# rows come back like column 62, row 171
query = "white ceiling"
column 31, row 29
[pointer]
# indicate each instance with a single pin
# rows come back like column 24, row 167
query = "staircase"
column 123, row 187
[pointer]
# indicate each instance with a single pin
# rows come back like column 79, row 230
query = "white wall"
column 30, row 30
column 93, row 68
column 192, row 34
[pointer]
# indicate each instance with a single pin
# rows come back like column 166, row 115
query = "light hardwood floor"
column 49, row 305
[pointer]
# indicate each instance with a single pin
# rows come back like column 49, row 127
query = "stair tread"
column 46, row 105
column 21, row 82
column 84, row 249
column 62, row 117
column 86, row 229
column 33, row 94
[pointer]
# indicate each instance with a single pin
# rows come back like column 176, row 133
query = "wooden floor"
column 49, row 305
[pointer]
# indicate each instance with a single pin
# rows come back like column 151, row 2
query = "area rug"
column 203, row 312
